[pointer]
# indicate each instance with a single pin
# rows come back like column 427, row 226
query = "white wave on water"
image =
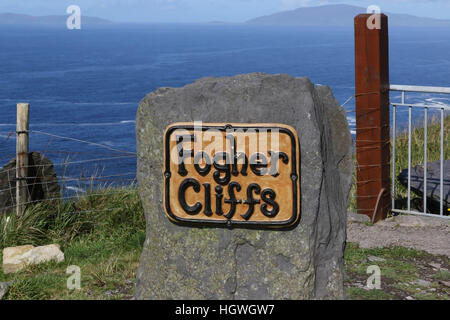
column 98, row 103
column 108, row 143
column 351, row 119
column 438, row 102
column 352, row 124
column 104, row 123
column 75, row 189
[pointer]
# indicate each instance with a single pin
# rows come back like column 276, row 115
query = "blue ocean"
column 86, row 84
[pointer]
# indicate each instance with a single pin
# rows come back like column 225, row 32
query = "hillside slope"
column 339, row 15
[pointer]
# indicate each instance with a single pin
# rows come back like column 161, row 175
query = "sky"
column 208, row 10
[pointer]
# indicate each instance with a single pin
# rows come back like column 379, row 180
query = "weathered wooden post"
column 372, row 116
column 23, row 110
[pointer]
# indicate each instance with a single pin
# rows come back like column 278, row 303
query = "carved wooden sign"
column 232, row 174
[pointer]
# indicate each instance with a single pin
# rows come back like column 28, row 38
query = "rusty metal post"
column 23, row 110
column 372, row 117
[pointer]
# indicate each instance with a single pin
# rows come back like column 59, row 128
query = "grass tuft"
column 103, row 234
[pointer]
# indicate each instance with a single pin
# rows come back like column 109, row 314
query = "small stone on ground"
column 373, row 259
column 4, row 287
column 17, row 258
column 423, row 283
column 436, row 265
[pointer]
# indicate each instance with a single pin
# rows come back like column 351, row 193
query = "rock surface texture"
column 4, row 288
column 17, row 258
column 305, row 262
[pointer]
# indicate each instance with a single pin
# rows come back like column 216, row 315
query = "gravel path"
column 420, row 233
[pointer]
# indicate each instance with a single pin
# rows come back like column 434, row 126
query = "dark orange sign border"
column 295, row 176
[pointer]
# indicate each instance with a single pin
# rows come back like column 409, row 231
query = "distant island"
column 24, row 19
column 339, row 15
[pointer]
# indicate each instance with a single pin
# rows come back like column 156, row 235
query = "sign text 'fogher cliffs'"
column 232, row 174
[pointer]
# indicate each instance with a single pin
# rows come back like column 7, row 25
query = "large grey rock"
column 42, row 181
column 304, row 262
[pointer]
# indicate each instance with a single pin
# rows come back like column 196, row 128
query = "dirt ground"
column 421, row 233
column 406, row 273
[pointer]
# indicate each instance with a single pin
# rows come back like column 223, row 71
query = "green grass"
column 417, row 154
column 442, row 275
column 400, row 264
column 399, row 272
column 103, row 235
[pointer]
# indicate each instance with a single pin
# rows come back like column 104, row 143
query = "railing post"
column 23, row 110
column 372, row 117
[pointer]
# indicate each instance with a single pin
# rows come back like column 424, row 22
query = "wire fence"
column 435, row 150
column 80, row 168
column 63, row 175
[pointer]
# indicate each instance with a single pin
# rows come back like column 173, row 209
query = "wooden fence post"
column 23, row 110
column 372, row 117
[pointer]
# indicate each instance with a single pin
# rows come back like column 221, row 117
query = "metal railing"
column 426, row 107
